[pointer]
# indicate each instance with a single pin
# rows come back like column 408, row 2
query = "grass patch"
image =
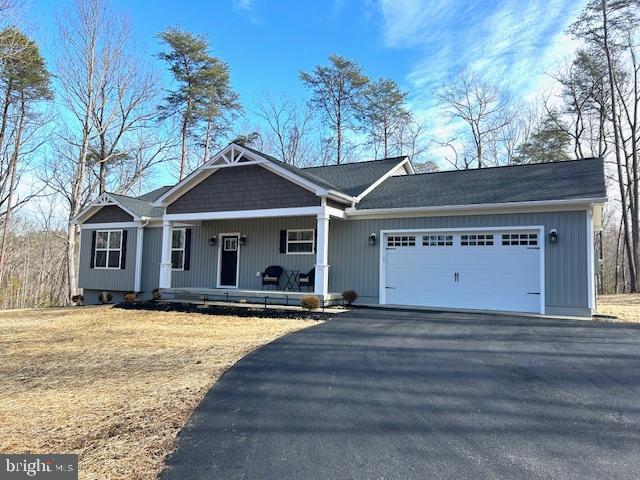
column 114, row 385
column 625, row 306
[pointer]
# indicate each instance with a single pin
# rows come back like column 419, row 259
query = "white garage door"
column 485, row 270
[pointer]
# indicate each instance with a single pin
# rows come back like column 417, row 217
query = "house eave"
column 579, row 203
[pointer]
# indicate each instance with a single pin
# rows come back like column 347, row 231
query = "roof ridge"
column 355, row 163
column 494, row 167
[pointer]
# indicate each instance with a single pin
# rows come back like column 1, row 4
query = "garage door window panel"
column 437, row 240
column 476, row 240
column 520, row 239
column 401, row 241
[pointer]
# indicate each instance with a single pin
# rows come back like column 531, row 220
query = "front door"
column 229, row 261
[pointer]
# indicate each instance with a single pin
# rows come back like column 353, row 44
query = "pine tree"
column 336, row 93
column 203, row 93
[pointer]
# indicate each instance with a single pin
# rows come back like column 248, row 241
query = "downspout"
column 144, row 221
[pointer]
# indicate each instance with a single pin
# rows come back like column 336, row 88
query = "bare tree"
column 289, row 123
column 481, row 106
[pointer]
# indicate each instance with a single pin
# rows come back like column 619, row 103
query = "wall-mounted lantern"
column 212, row 241
column 553, row 236
column 243, row 240
column 372, row 239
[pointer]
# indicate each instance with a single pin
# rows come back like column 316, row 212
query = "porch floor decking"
column 262, row 297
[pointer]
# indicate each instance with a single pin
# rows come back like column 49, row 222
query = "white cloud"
column 248, row 8
column 514, row 44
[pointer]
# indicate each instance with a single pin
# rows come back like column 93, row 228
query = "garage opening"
column 471, row 269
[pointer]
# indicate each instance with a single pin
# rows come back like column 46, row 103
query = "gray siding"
column 243, row 188
column 106, row 279
column 354, row 264
column 262, row 249
column 110, row 213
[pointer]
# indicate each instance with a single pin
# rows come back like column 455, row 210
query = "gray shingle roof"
column 298, row 171
column 354, row 178
column 140, row 207
column 155, row 194
column 538, row 182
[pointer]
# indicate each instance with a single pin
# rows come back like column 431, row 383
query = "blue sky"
column 417, row 43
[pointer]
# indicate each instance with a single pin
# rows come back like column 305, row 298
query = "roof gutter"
column 353, row 212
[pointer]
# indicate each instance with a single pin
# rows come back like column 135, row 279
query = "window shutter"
column 187, row 248
column 93, row 250
column 123, row 251
column 283, row 241
column 315, row 241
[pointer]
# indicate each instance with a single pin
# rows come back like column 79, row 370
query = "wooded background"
column 100, row 117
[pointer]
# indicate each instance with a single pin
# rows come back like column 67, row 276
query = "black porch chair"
column 271, row 276
column 307, row 279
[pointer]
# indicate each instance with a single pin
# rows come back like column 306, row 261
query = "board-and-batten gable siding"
column 243, row 188
column 108, row 214
column 354, row 263
column 262, row 249
column 107, row 279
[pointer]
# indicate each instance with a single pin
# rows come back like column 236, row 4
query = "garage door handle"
column 390, row 288
column 533, row 293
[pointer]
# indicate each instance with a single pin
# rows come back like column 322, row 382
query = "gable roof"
column 569, row 180
column 355, row 178
column 139, row 205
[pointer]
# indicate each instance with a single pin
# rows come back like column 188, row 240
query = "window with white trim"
column 300, row 242
column 108, row 250
column 520, row 239
column 177, row 248
column 477, row 240
column 437, row 240
column 401, row 241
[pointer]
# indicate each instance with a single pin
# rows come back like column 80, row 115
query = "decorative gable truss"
column 102, row 201
column 236, row 156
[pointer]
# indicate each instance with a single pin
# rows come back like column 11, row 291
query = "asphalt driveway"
column 397, row 395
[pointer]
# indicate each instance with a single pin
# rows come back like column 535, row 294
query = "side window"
column 108, row 249
column 177, row 248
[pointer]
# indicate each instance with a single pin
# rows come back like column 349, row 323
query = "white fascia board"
column 390, row 173
column 575, row 204
column 335, row 212
column 341, row 196
column 235, row 214
column 109, row 226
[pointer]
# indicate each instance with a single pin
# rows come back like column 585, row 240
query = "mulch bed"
column 224, row 310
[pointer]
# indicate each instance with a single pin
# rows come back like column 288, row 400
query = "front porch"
column 261, row 298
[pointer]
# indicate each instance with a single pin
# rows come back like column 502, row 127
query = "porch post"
column 165, row 262
column 322, row 256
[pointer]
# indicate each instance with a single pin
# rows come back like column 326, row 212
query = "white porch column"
column 322, row 255
column 138, row 266
column 165, row 262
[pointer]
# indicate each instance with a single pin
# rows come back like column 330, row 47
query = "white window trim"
column 312, row 241
column 107, row 250
column 183, row 249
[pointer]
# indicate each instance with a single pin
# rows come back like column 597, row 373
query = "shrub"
column 77, row 299
column 129, row 297
column 349, row 296
column 105, row 297
column 310, row 302
column 156, row 294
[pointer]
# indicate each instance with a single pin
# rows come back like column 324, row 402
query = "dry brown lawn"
column 624, row 306
column 114, row 386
